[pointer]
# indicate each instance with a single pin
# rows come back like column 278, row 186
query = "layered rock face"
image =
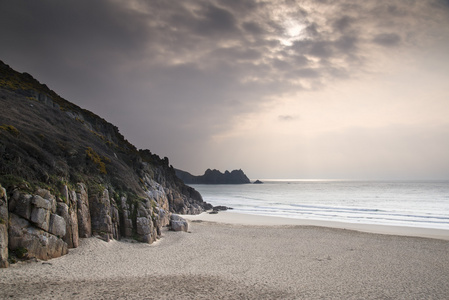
column 34, row 227
column 68, row 174
column 83, row 211
column 44, row 226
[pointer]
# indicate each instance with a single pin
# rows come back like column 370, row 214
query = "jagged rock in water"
column 4, row 217
column 214, row 177
column 221, row 207
column 178, row 223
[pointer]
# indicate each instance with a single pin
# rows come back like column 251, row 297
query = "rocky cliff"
column 214, row 177
column 66, row 173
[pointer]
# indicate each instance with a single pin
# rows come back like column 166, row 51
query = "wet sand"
column 237, row 259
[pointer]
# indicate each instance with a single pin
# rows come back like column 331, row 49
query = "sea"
column 422, row 204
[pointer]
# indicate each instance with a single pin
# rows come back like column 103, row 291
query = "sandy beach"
column 232, row 256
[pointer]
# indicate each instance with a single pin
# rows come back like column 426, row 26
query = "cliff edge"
column 66, row 173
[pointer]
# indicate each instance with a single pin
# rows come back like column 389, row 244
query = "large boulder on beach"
column 33, row 241
column 177, row 223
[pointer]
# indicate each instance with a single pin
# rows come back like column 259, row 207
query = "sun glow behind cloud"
column 294, row 31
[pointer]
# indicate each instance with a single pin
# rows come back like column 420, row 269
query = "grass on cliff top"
column 54, row 185
column 10, row 129
column 96, row 159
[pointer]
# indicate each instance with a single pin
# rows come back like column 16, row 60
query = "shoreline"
column 235, row 256
column 230, row 217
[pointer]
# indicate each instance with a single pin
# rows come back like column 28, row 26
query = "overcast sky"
column 281, row 89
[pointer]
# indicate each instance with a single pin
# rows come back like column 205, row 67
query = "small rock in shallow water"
column 221, row 207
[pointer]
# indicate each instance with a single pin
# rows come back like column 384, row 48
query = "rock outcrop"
column 214, row 177
column 83, row 212
column 103, row 214
column 4, row 217
column 178, row 223
column 66, row 174
column 33, row 242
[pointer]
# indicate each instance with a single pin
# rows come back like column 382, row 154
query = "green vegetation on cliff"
column 46, row 140
column 69, row 174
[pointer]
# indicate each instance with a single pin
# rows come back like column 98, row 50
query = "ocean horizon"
column 411, row 203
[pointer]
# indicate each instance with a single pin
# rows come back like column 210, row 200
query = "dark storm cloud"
column 312, row 30
column 347, row 43
column 342, row 24
column 106, row 36
column 186, row 70
column 242, row 6
column 307, row 73
column 321, row 49
column 281, row 64
column 253, row 28
column 391, row 9
column 216, row 20
column 237, row 54
column 46, row 27
column 72, row 45
column 387, row 39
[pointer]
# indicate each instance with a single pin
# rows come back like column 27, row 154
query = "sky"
column 280, row 89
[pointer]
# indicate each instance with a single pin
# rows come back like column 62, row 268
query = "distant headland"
column 214, row 177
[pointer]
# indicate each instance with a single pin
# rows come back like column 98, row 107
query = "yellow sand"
column 237, row 261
